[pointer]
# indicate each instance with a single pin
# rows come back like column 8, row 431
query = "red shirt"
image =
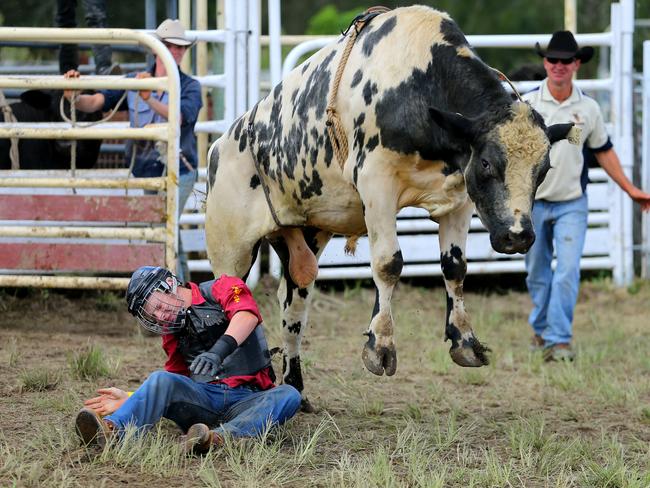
column 234, row 296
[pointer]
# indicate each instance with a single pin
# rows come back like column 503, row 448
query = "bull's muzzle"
column 511, row 242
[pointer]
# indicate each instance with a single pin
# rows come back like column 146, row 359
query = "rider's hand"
column 108, row 401
column 211, row 362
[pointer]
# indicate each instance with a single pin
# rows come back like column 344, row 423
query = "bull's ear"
column 559, row 132
column 456, row 124
column 37, row 99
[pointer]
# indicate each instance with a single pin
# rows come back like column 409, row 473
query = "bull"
column 43, row 106
column 429, row 125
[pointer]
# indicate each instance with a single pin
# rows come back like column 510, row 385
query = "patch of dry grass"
column 518, row 422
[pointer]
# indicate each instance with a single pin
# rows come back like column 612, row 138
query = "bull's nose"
column 519, row 241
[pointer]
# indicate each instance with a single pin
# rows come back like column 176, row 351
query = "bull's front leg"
column 379, row 354
column 466, row 350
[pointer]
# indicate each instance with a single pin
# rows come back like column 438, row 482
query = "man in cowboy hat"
column 146, row 107
column 560, row 210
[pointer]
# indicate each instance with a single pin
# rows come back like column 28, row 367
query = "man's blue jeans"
column 559, row 225
column 239, row 412
column 185, row 188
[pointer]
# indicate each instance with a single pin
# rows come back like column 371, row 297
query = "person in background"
column 218, row 372
column 146, row 108
column 560, row 210
column 96, row 16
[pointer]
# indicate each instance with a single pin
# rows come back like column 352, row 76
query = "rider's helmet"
column 153, row 299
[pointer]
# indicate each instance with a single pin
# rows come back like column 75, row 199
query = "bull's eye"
column 486, row 164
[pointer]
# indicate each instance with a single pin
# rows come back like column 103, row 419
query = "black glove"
column 210, row 363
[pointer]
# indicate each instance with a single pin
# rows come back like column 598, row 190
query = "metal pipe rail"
column 136, row 233
column 143, row 183
column 169, row 132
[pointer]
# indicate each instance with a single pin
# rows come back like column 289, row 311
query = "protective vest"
column 205, row 324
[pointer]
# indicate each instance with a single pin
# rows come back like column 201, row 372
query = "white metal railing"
column 168, row 132
column 645, row 158
column 617, row 215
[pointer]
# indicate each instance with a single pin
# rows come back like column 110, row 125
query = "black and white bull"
column 409, row 77
column 43, row 106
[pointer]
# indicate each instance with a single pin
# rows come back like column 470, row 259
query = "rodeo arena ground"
column 374, row 190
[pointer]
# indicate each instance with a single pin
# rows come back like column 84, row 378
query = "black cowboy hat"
column 564, row 46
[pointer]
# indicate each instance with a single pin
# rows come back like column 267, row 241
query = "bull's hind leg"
column 294, row 303
column 466, row 350
column 378, row 194
column 237, row 216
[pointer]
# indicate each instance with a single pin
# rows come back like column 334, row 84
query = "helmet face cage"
column 159, row 308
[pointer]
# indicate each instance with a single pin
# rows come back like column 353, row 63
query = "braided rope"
column 10, row 117
column 334, row 127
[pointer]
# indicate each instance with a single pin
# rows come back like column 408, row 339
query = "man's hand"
column 640, row 197
column 207, row 363
column 73, row 73
column 210, row 362
column 108, row 401
column 144, row 94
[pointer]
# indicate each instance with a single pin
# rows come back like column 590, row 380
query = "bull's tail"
column 351, row 245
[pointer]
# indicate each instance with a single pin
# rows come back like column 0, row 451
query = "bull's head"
column 509, row 160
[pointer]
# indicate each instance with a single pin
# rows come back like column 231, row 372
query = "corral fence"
column 70, row 247
column 609, row 240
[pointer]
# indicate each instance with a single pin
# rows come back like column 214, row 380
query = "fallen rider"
column 218, row 380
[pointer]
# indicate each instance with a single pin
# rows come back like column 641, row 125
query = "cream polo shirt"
column 562, row 181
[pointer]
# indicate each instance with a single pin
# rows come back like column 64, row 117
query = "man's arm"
column 241, row 326
column 609, row 161
column 84, row 103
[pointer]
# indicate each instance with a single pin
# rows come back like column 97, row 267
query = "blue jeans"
column 559, row 225
column 239, row 412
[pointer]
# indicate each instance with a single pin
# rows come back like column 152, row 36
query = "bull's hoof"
column 306, row 406
column 379, row 359
column 470, row 354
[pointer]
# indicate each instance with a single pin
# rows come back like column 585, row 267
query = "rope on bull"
column 10, row 118
column 334, row 126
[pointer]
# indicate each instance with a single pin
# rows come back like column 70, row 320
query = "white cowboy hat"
column 173, row 32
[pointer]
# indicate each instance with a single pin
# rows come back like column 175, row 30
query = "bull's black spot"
column 356, row 78
column 213, row 164
column 280, row 247
column 294, row 95
column 295, row 328
column 454, row 267
column 294, row 376
column 451, row 331
column 303, row 293
column 392, row 270
column 369, row 89
column 480, row 96
column 243, row 141
column 238, row 126
column 311, row 187
column 254, row 251
column 372, row 143
column 255, row 181
column 305, row 67
column 355, row 175
column 373, row 37
column 452, row 34
column 375, row 308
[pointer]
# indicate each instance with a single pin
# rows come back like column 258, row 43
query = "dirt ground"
column 598, row 407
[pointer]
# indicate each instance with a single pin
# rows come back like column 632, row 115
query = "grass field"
column 518, row 422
